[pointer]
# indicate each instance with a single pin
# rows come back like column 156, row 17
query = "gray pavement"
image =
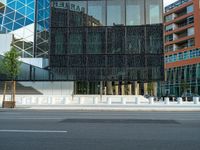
column 98, row 130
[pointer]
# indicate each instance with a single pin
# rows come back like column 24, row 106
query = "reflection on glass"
column 134, row 12
column 77, row 13
column 115, row 12
column 96, row 13
column 153, row 11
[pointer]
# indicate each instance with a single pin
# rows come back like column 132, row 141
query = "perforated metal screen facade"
column 92, row 46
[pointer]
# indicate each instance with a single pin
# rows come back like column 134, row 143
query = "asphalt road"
column 68, row 130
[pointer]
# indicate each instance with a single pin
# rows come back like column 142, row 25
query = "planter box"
column 8, row 104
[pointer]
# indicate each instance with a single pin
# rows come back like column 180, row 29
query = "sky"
column 167, row 2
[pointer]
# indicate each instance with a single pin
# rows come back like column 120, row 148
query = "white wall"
column 5, row 41
column 52, row 88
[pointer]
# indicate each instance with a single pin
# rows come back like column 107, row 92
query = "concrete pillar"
column 145, row 88
column 155, row 88
column 136, row 88
column 123, row 88
column 129, row 89
column 109, row 88
column 116, row 89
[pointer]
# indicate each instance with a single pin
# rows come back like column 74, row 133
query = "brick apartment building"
column 182, row 48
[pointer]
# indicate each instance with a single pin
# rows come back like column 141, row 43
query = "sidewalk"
column 116, row 107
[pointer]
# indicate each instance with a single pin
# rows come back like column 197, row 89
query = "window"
column 185, row 55
column 169, row 38
column 190, row 31
column 115, row 12
column 169, row 48
column 133, row 8
column 77, row 13
column 153, row 11
column 191, row 42
column 180, row 56
column 169, row 28
column 190, row 8
column 168, row 18
column 190, row 20
column 96, row 13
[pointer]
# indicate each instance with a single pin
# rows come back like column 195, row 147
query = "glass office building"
column 86, row 40
column 107, row 40
column 26, row 23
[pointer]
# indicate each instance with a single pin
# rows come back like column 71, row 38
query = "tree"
column 11, row 68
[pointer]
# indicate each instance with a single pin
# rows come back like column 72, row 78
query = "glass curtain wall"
column 115, row 12
column 153, row 11
column 135, row 12
column 106, row 40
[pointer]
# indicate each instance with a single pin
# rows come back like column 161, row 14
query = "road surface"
column 72, row 130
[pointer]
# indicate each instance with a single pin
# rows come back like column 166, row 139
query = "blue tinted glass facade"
column 30, row 26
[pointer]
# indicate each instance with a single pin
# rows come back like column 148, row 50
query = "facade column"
column 155, row 88
column 145, row 88
column 129, row 89
column 136, row 88
column 123, row 88
column 116, row 88
column 109, row 88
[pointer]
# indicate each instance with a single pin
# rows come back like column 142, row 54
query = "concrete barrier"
column 179, row 100
column 137, row 101
column 124, row 99
column 151, row 100
column 40, row 100
column 109, row 101
column 166, row 100
column 196, row 100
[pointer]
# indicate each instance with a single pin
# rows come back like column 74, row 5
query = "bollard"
column 151, row 100
column 123, row 100
column 196, row 100
column 95, row 100
column 109, row 101
column 180, row 100
column 166, row 100
column 137, row 100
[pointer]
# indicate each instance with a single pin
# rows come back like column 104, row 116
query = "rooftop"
column 175, row 4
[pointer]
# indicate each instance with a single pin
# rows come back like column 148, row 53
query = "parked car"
column 189, row 96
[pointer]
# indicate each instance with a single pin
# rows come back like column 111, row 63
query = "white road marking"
column 32, row 118
column 34, row 131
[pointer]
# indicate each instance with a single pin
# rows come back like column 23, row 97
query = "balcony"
column 179, row 39
column 179, row 19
